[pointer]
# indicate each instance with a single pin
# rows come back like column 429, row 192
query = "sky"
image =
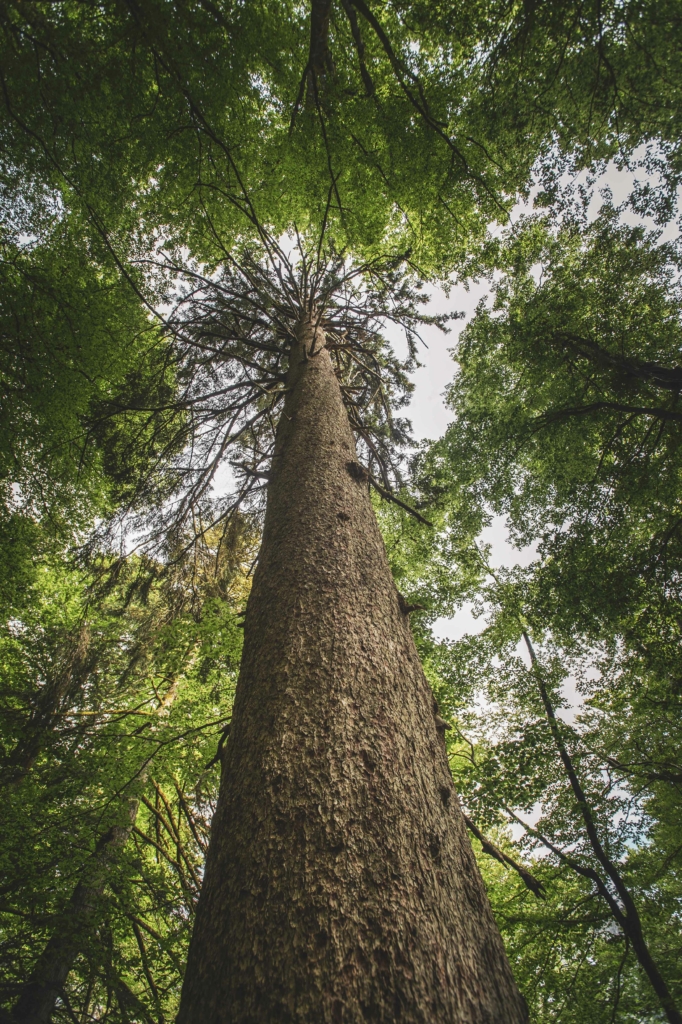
column 430, row 418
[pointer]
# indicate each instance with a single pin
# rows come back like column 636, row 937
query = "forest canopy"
column 186, row 189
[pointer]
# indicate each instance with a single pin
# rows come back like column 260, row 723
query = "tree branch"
column 529, row 880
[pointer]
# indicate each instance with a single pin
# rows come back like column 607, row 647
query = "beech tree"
column 566, row 422
column 426, row 119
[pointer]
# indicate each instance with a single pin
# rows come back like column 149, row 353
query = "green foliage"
column 569, row 954
column 401, row 125
column 73, row 335
column 194, row 124
column 570, row 963
column 566, row 409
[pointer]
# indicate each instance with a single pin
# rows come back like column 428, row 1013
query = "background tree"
column 105, row 827
column 423, row 119
column 566, row 402
column 552, row 772
column 565, row 421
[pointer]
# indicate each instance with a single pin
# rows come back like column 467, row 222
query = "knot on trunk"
column 406, row 608
column 357, row 471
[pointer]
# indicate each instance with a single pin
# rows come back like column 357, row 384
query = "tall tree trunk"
column 37, row 999
column 340, row 883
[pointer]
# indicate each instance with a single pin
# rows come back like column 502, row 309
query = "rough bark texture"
column 340, row 883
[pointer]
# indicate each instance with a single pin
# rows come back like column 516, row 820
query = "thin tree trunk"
column 73, row 665
column 37, row 999
column 340, row 883
column 628, row 917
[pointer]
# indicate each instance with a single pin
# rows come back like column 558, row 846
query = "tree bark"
column 340, row 884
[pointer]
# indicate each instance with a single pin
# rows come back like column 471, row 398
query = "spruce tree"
column 340, row 883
